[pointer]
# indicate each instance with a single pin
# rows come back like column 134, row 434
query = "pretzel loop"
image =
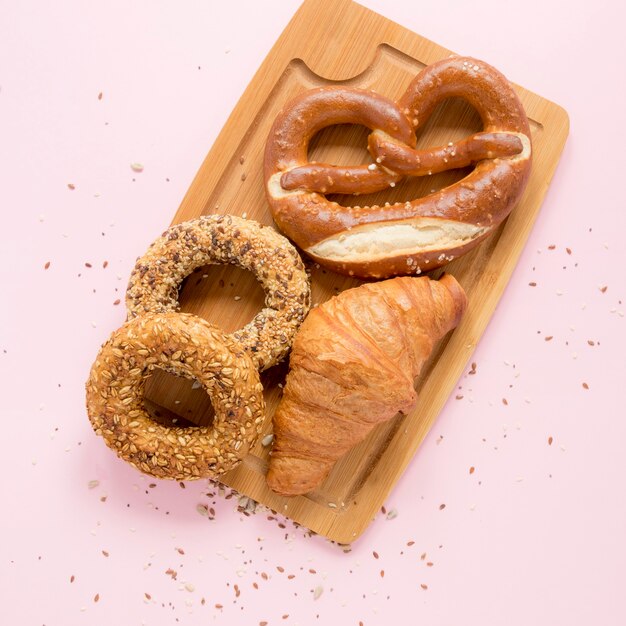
column 405, row 237
column 319, row 108
column 403, row 159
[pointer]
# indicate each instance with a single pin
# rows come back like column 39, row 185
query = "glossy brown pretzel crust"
column 366, row 241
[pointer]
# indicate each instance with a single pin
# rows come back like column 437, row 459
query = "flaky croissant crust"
column 353, row 365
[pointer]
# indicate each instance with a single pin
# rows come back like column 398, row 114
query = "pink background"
column 536, row 535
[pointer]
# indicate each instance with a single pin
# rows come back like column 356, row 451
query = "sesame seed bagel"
column 226, row 239
column 184, row 345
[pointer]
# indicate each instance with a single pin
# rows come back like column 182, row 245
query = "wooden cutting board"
column 330, row 42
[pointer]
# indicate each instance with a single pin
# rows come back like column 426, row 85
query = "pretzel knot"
column 405, row 237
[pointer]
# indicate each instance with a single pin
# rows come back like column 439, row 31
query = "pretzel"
column 154, row 282
column 185, row 345
column 405, row 237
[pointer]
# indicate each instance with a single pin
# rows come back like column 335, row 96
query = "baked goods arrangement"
column 407, row 237
column 355, row 357
column 226, row 366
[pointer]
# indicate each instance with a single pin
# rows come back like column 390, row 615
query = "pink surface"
column 535, row 535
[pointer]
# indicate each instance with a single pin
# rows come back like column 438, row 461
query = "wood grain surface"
column 330, row 42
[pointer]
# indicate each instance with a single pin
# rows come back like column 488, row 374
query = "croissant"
column 353, row 365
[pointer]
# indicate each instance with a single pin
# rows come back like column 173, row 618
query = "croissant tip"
column 289, row 476
column 458, row 295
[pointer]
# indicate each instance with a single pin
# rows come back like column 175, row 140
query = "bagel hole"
column 225, row 295
column 345, row 144
column 173, row 401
